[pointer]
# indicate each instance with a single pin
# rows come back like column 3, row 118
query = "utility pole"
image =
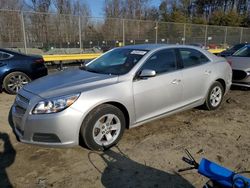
column 24, row 33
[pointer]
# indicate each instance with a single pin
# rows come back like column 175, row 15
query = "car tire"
column 215, row 96
column 103, row 127
column 14, row 81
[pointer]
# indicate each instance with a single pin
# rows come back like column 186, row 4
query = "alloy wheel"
column 106, row 129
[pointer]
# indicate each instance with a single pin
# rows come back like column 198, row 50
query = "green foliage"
column 217, row 18
column 213, row 12
column 177, row 16
column 230, row 18
column 245, row 21
column 199, row 20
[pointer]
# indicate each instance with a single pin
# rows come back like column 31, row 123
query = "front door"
column 162, row 93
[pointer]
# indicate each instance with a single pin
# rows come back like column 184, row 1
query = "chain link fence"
column 40, row 33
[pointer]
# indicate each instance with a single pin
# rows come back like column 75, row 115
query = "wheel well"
column 9, row 72
column 223, row 83
column 123, row 109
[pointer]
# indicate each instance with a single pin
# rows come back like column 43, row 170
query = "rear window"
column 4, row 56
column 192, row 57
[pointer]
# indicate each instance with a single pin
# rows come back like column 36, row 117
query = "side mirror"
column 147, row 73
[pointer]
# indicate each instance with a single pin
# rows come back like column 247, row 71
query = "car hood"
column 68, row 82
column 240, row 63
column 227, row 52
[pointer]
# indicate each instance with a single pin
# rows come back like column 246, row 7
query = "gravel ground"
column 147, row 156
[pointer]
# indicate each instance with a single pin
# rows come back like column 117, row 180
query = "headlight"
column 55, row 105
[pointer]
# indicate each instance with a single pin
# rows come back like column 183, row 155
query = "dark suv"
column 18, row 69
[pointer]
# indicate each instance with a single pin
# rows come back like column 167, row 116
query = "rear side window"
column 4, row 56
column 162, row 61
column 243, row 52
column 192, row 57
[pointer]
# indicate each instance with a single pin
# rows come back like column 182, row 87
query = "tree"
column 225, row 19
column 163, row 10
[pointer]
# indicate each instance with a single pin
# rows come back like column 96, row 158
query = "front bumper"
column 58, row 129
column 242, row 84
column 243, row 81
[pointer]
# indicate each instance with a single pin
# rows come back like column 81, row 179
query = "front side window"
column 243, row 52
column 4, row 55
column 118, row 61
column 192, row 57
column 162, row 61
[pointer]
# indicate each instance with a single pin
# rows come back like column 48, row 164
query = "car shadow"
column 123, row 172
column 7, row 158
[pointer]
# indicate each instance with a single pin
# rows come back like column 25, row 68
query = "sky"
column 96, row 6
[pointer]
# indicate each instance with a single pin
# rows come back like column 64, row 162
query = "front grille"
column 21, row 104
column 22, row 99
column 239, row 75
column 20, row 110
column 46, row 137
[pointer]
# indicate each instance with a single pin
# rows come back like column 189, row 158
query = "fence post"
column 123, row 32
column 225, row 37
column 205, row 42
column 80, row 31
column 241, row 34
column 24, row 33
column 156, row 32
column 184, row 33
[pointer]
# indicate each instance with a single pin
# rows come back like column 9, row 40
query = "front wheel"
column 103, row 127
column 215, row 96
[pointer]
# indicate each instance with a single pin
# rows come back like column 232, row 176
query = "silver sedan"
column 123, row 88
column 240, row 61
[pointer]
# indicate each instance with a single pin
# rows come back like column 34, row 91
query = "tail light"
column 39, row 60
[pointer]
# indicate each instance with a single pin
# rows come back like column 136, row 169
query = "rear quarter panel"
column 222, row 70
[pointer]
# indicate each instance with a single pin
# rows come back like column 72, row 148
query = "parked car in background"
column 197, row 45
column 123, row 88
column 232, row 50
column 105, row 48
column 240, row 61
column 16, row 70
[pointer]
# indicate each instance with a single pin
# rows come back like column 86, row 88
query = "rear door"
column 195, row 73
column 157, row 95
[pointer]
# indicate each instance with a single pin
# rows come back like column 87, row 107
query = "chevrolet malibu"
column 123, row 88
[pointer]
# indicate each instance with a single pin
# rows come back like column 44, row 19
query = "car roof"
column 145, row 46
column 157, row 46
column 10, row 51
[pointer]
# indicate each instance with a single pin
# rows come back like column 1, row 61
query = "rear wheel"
column 14, row 81
column 215, row 96
column 103, row 127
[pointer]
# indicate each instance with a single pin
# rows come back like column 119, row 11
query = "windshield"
column 236, row 47
column 118, row 61
column 243, row 52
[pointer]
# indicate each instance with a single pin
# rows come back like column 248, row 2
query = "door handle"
column 208, row 72
column 176, row 81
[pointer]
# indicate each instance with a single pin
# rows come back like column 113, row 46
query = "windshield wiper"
column 87, row 69
column 83, row 67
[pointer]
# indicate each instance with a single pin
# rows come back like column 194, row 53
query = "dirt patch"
column 147, row 156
